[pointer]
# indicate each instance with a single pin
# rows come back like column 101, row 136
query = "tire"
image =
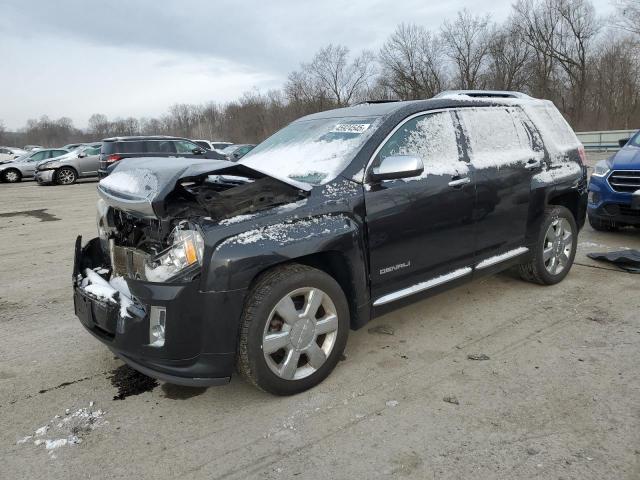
column 601, row 226
column 12, row 175
column 66, row 176
column 302, row 353
column 559, row 251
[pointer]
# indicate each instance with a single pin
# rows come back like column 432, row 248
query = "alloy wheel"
column 557, row 247
column 300, row 333
column 11, row 176
column 66, row 176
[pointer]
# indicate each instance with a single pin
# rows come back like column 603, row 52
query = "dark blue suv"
column 614, row 189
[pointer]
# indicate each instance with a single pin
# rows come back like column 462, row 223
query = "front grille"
column 625, row 180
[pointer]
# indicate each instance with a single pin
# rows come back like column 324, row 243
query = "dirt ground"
column 558, row 396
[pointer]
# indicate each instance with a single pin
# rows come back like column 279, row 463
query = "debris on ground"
column 532, row 451
column 628, row 260
column 392, row 403
column 130, row 382
column 382, row 330
column 451, row 399
column 478, row 356
column 67, row 429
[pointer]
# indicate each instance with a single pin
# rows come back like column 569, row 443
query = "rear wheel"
column 294, row 328
column 12, row 175
column 66, row 176
column 555, row 248
column 601, row 225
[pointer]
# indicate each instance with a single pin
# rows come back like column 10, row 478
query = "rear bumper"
column 200, row 331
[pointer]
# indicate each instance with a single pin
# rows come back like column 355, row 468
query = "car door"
column 31, row 163
column 420, row 229
column 503, row 160
column 89, row 161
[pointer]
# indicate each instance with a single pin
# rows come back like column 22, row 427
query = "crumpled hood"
column 627, row 158
column 140, row 185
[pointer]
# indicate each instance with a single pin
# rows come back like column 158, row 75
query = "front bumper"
column 613, row 207
column 200, row 333
column 45, row 176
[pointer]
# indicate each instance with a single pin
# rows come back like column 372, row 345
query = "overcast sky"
column 74, row 58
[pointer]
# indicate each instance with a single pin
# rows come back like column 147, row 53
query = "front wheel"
column 555, row 248
column 12, row 175
column 66, row 176
column 294, row 328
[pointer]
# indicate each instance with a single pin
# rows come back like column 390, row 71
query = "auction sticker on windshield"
column 350, row 127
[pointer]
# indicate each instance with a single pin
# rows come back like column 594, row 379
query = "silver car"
column 10, row 153
column 83, row 162
column 25, row 166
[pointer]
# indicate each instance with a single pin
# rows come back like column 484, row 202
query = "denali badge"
column 393, row 268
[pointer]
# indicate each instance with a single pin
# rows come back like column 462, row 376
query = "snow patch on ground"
column 66, row 430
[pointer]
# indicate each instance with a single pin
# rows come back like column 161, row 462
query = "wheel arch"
column 71, row 167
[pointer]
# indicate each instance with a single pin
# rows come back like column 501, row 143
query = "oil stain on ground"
column 40, row 214
column 178, row 392
column 130, row 382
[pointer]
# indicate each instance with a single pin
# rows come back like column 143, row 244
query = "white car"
column 213, row 145
column 9, row 153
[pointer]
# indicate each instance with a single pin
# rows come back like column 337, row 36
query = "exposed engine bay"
column 144, row 248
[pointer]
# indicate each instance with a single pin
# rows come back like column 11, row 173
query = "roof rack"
column 483, row 94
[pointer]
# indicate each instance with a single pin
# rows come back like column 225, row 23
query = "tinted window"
column 182, row 146
column 4, row 150
column 432, row 137
column 129, row 147
column 219, row 146
column 635, row 140
column 204, row 145
column 496, row 136
column 160, row 146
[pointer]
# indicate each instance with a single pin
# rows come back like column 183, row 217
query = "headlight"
column 601, row 169
column 184, row 255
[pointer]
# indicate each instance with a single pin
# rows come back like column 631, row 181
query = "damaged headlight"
column 185, row 254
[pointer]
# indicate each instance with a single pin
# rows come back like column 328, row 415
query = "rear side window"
column 160, row 146
column 36, row 157
column 496, row 136
column 433, row 138
column 557, row 135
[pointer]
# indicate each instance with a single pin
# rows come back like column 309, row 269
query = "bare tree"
column 331, row 75
column 467, row 42
column 413, row 63
column 507, row 59
column 628, row 15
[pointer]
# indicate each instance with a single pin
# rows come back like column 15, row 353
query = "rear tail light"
column 113, row 158
column 582, row 155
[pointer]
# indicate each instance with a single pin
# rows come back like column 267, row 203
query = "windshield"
column 312, row 151
column 635, row 140
column 230, row 150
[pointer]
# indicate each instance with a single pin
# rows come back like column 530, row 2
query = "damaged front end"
column 136, row 285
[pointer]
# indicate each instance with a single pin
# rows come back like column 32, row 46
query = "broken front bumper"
column 200, row 327
column 44, row 176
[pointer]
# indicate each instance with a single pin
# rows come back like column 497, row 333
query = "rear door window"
column 432, row 137
column 496, row 136
column 36, row 157
column 160, row 146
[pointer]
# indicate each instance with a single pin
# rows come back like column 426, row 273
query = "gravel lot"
column 559, row 396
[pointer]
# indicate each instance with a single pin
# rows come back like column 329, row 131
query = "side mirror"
column 397, row 166
column 622, row 142
column 82, row 155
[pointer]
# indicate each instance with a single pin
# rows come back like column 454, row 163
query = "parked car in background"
column 83, row 162
column 10, row 153
column 237, row 151
column 614, row 189
column 213, row 145
column 30, row 148
column 119, row 148
column 24, row 167
column 266, row 263
column 73, row 146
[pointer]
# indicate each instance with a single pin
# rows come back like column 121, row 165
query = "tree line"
column 554, row 49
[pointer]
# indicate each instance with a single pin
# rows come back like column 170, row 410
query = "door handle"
column 458, row 182
column 532, row 164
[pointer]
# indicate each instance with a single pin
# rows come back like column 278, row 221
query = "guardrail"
column 604, row 140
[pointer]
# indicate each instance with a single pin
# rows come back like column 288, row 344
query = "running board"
column 419, row 287
column 488, row 262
